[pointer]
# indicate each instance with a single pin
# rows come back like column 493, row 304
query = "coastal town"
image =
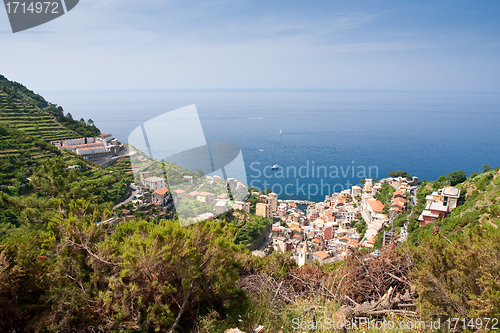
column 322, row 231
column 326, row 230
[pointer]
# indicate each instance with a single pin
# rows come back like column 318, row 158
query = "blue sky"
column 338, row 45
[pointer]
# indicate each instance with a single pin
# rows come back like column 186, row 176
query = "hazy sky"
column 341, row 45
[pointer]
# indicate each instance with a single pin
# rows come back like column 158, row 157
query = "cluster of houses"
column 162, row 198
column 398, row 203
column 91, row 148
column 439, row 203
column 324, row 231
column 373, row 210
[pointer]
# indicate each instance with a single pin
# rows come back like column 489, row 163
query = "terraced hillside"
column 37, row 123
column 19, row 153
column 27, row 123
column 22, row 109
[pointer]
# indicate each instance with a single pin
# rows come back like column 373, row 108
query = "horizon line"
column 325, row 90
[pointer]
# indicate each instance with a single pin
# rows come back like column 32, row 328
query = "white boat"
column 281, row 132
column 275, row 166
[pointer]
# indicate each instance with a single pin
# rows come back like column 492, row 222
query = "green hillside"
column 19, row 153
column 27, row 123
column 455, row 260
column 26, row 111
column 480, row 196
column 25, row 158
column 33, row 121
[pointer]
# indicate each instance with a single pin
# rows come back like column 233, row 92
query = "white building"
column 304, row 255
column 90, row 151
column 155, row 183
column 205, row 216
column 220, row 207
column 272, row 201
column 242, row 205
column 356, row 190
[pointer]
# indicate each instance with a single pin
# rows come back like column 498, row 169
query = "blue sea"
column 335, row 133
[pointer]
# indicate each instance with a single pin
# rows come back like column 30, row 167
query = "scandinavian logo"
column 25, row 15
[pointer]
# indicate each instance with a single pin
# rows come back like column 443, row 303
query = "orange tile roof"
column 316, row 240
column 222, row 196
column 376, row 205
column 330, row 217
column 161, row 191
column 293, row 205
column 322, row 254
column 353, row 243
column 398, row 204
column 180, row 191
column 372, row 240
column 194, row 193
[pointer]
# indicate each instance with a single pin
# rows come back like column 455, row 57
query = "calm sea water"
column 426, row 134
